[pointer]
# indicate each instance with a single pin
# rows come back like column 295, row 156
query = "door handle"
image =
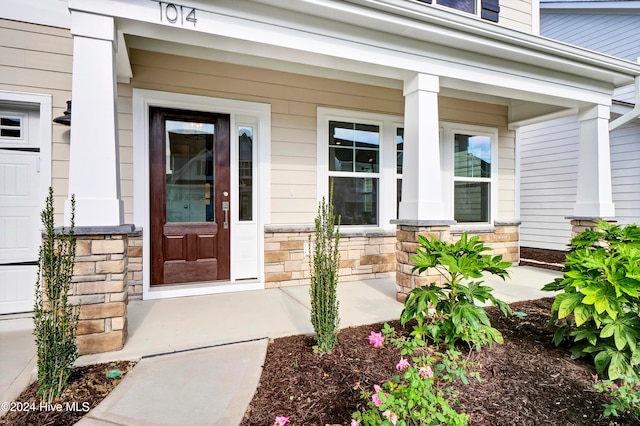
column 225, row 209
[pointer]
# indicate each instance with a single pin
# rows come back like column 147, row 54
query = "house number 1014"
column 173, row 13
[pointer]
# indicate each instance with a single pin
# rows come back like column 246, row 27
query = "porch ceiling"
column 382, row 42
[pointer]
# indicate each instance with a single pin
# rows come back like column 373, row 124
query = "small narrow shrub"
column 54, row 318
column 324, row 277
column 600, row 302
column 455, row 316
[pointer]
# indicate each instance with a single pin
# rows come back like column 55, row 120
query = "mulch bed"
column 526, row 381
column 86, row 388
column 542, row 258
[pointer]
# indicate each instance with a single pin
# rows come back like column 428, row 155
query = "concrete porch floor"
column 218, row 325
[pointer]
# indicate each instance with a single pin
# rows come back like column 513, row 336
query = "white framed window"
column 357, row 155
column 13, row 127
column 399, row 157
column 486, row 9
column 470, row 170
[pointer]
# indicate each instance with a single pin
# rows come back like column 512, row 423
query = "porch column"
column 422, row 197
column 94, row 175
column 594, row 198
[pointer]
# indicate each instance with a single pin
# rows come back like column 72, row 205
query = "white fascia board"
column 471, row 32
column 391, row 54
column 474, row 71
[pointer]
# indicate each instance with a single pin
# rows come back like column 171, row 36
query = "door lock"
column 225, row 209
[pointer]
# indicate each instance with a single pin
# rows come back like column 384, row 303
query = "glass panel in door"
column 190, row 171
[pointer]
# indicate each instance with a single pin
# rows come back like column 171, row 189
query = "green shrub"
column 54, row 319
column 600, row 299
column 422, row 393
column 324, row 277
column 625, row 396
column 455, row 316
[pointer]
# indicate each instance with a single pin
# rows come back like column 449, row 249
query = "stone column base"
column 99, row 288
column 406, row 246
column 581, row 224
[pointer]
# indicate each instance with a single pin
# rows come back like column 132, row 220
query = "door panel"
column 189, row 185
column 19, row 229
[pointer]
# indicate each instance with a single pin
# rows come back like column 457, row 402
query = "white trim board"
column 43, row 103
column 241, row 112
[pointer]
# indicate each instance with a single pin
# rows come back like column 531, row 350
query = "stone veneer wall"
column 503, row 239
column 98, row 288
column 134, row 278
column 581, row 224
column 363, row 255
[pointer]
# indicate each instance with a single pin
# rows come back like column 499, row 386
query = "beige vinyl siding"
column 517, row 15
column 294, row 101
column 38, row 59
column 125, row 139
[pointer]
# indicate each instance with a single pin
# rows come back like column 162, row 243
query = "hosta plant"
column 454, row 315
column 599, row 301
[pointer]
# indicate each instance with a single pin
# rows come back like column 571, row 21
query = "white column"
column 594, row 164
column 94, row 175
column 422, row 197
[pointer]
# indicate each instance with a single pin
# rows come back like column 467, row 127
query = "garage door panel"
column 18, row 241
column 19, row 229
column 19, row 179
column 17, row 287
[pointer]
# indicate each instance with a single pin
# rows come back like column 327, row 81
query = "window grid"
column 10, row 127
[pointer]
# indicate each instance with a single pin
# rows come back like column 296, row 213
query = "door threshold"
column 200, row 289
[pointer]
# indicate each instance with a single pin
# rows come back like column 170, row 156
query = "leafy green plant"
column 599, row 300
column 422, row 394
column 625, row 397
column 55, row 321
column 455, row 315
column 324, row 277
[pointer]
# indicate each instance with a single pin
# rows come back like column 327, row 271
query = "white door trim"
column 239, row 111
column 44, row 104
column 38, row 132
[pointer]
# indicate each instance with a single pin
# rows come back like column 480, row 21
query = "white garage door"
column 19, row 213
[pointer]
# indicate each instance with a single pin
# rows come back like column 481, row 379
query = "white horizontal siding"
column 548, row 173
column 609, row 33
column 626, row 93
column 625, row 172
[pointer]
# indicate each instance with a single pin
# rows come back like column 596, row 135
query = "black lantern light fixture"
column 66, row 118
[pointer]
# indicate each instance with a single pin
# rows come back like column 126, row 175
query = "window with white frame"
column 357, row 156
column 399, row 158
column 471, row 161
column 486, row 9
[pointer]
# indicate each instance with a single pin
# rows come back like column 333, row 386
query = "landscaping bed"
column 525, row 381
column 86, row 388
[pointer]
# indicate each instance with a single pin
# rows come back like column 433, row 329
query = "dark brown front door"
column 190, row 200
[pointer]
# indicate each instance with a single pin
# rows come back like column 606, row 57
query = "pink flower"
column 425, row 372
column 393, row 418
column 614, row 386
column 281, row 421
column 402, row 365
column 376, row 339
column 355, row 422
column 376, row 400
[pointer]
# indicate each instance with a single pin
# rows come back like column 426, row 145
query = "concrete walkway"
column 201, row 357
